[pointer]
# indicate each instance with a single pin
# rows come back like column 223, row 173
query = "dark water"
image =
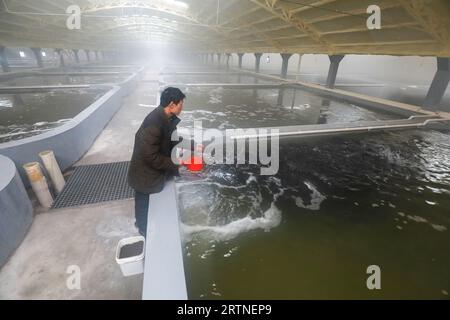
column 244, row 108
column 28, row 114
column 336, row 206
column 411, row 94
column 131, row 250
column 52, row 80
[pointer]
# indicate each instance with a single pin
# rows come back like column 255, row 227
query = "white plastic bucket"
column 131, row 264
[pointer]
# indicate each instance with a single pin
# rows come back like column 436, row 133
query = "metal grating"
column 94, row 184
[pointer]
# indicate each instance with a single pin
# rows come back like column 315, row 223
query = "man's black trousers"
column 141, row 211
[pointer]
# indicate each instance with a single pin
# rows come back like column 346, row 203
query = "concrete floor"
column 83, row 236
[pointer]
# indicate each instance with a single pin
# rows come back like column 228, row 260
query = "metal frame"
column 410, row 27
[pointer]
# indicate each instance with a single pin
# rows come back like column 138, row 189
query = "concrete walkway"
column 83, row 236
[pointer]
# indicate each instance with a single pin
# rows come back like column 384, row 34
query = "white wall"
column 406, row 70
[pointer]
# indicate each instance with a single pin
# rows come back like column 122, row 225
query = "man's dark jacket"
column 151, row 163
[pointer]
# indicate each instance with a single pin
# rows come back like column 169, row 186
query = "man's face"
column 175, row 108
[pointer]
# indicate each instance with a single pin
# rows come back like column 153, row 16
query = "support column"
column 88, row 55
column 439, row 85
column 61, row 57
column 3, row 60
column 218, row 58
column 335, row 60
column 285, row 64
column 77, row 57
column 96, row 56
column 257, row 61
column 300, row 56
column 240, row 55
column 228, row 60
column 38, row 55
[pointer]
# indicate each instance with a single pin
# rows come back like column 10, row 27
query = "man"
column 151, row 162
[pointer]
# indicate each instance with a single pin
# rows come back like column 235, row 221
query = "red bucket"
column 195, row 164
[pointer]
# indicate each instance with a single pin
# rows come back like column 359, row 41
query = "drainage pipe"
column 39, row 184
column 52, row 167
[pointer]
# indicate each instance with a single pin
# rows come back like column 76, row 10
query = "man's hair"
column 171, row 95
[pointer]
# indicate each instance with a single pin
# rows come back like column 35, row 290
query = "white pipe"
column 39, row 184
column 52, row 167
column 337, row 130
